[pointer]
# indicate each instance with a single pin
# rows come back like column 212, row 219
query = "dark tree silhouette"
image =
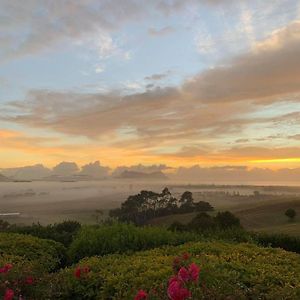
column 147, row 205
column 290, row 213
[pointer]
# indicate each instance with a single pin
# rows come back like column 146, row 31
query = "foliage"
column 121, row 238
column 49, row 254
column 19, row 275
column 4, row 225
column 284, row 241
column 147, row 205
column 61, row 232
column 203, row 222
column 228, row 271
column 290, row 213
column 227, row 219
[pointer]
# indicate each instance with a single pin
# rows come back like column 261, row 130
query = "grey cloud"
column 158, row 76
column 95, row 170
column 65, row 169
column 273, row 70
column 27, row 173
column 161, row 31
column 140, row 168
column 166, row 114
column 294, row 137
column 33, row 26
column 242, row 141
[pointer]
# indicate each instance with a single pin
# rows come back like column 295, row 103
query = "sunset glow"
column 179, row 83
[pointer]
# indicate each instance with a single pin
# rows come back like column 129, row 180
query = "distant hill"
column 140, row 175
column 3, row 178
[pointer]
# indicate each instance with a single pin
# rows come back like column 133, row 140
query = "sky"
column 128, row 82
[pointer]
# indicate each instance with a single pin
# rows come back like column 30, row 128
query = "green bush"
column 61, row 232
column 202, row 222
column 49, row 254
column 23, row 276
column 227, row 219
column 228, row 271
column 120, row 238
column 284, row 241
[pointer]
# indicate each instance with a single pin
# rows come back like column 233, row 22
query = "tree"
column 187, row 202
column 226, row 220
column 290, row 213
column 186, row 199
column 203, row 206
column 201, row 222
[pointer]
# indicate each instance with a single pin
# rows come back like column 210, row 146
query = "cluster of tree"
column 147, row 205
column 203, row 222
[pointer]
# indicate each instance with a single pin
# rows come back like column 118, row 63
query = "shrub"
column 19, row 276
column 226, row 219
column 202, row 222
column 49, row 254
column 120, row 238
column 284, row 241
column 177, row 226
column 63, row 232
column 228, row 271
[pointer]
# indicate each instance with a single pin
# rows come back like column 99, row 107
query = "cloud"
column 65, row 169
column 294, row 137
column 27, row 173
column 259, row 76
column 140, row 168
column 37, row 26
column 99, row 69
column 235, row 174
column 161, row 31
column 157, row 121
column 95, row 170
column 158, row 76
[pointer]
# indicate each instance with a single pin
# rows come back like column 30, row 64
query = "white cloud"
column 132, row 85
column 99, row 69
column 204, row 42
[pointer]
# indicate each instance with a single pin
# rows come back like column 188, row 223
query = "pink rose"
column 141, row 295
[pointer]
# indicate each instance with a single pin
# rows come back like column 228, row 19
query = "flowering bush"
column 181, row 284
column 16, row 281
column 228, row 271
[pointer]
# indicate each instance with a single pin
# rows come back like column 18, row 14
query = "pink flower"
column 183, row 274
column 9, row 294
column 6, row 268
column 141, row 295
column 86, row 269
column 77, row 272
column 176, row 291
column 172, row 279
column 194, row 272
column 29, row 280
